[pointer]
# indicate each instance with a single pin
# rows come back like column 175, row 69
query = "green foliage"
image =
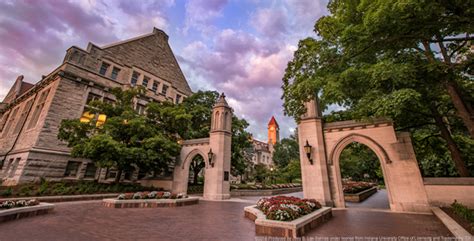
column 261, row 172
column 359, row 163
column 390, row 58
column 464, row 212
column 7, row 192
column 285, row 151
column 291, row 171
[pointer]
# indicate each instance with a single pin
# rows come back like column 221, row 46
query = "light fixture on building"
column 307, row 150
column 101, row 120
column 210, row 156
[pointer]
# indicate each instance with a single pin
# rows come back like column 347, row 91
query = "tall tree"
column 377, row 58
column 285, row 151
column 126, row 140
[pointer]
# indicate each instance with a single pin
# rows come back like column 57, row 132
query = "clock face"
column 272, row 128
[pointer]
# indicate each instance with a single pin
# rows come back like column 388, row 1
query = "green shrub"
column 464, row 212
column 7, row 192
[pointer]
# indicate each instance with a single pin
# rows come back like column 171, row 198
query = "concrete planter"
column 291, row 229
column 263, row 192
column 149, row 203
column 360, row 196
column 24, row 212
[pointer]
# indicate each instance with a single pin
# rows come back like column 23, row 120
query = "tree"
column 196, row 166
column 126, row 140
column 377, row 58
column 286, row 150
column 360, row 163
column 291, row 171
column 261, row 172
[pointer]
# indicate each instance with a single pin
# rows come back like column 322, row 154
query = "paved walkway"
column 378, row 200
column 88, row 220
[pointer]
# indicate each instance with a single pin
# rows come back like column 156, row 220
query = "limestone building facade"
column 263, row 151
column 30, row 114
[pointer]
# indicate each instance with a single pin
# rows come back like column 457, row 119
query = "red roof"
column 273, row 122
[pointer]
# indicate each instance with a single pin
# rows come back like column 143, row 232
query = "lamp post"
column 210, row 156
column 271, row 175
column 307, row 149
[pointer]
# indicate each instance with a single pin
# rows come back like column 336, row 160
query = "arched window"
column 225, row 120
column 216, row 120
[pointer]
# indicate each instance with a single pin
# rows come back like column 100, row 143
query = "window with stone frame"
column 140, row 109
column 92, row 97
column 155, row 86
column 134, row 80
column 22, row 119
column 111, row 173
column 38, row 108
column 72, row 169
column 103, row 68
column 178, row 98
column 91, row 170
column 145, row 81
column 10, row 121
column 164, row 89
column 13, row 167
column 115, row 73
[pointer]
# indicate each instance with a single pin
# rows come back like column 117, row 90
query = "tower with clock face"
column 273, row 131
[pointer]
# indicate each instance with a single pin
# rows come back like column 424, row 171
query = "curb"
column 67, row 198
column 457, row 230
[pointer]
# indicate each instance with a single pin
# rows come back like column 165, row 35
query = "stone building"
column 30, row 115
column 262, row 152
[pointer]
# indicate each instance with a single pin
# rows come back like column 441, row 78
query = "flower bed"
column 287, row 216
column 285, row 208
column 263, row 186
column 149, row 200
column 17, row 204
column 352, row 187
column 16, row 209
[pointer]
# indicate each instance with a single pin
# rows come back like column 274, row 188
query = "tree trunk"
column 452, row 146
column 462, row 110
column 117, row 177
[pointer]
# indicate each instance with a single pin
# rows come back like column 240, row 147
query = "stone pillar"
column 217, row 175
column 314, row 176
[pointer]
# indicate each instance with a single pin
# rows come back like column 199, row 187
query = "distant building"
column 30, row 115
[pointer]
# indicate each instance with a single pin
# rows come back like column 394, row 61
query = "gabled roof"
column 18, row 88
column 273, row 122
column 152, row 53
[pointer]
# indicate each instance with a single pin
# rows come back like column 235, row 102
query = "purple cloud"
column 270, row 22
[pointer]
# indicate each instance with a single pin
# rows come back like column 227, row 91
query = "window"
column 1, row 163
column 90, row 170
column 145, row 81
column 140, row 109
column 155, row 86
column 92, row 97
column 164, row 89
column 9, row 122
column 115, row 72
column 14, row 167
column 22, row 118
column 71, row 169
column 134, row 79
column 111, row 174
column 103, row 68
column 38, row 108
column 109, row 101
column 178, row 98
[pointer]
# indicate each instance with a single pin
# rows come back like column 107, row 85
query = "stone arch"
column 362, row 139
column 190, row 157
column 335, row 170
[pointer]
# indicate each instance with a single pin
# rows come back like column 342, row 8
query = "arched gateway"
column 216, row 152
column 321, row 172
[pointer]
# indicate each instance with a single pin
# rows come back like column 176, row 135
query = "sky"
column 239, row 47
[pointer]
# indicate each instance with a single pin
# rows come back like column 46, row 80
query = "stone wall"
column 443, row 191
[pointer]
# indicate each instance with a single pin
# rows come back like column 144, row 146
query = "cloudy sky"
column 240, row 47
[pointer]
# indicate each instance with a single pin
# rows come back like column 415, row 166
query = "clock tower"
column 273, row 131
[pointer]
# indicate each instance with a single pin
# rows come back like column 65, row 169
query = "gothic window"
column 90, row 170
column 10, row 122
column 23, row 115
column 134, row 79
column 140, row 109
column 72, row 168
column 145, row 81
column 38, row 108
column 155, row 86
column 164, row 89
column 103, row 68
column 216, row 120
column 115, row 72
